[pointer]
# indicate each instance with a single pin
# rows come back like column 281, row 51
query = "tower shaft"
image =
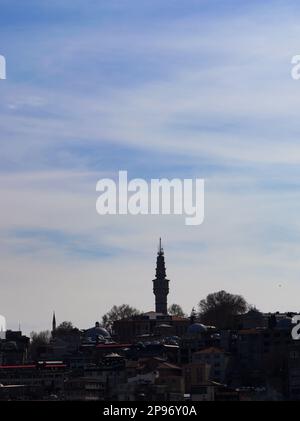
column 161, row 283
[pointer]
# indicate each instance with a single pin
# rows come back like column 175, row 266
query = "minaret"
column 53, row 322
column 161, row 283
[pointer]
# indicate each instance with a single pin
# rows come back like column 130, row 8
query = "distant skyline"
column 200, row 88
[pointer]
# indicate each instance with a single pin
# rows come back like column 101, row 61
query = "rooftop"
column 210, row 350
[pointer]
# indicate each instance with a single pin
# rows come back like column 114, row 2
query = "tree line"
column 218, row 309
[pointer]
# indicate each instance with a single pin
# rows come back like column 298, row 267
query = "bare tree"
column 117, row 313
column 176, row 310
column 65, row 328
column 38, row 342
column 220, row 308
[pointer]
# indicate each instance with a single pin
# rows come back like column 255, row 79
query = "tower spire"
column 160, row 249
column 53, row 322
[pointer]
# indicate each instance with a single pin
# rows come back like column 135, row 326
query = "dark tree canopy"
column 65, row 328
column 220, row 309
column 176, row 310
column 38, row 343
column 117, row 313
column 41, row 338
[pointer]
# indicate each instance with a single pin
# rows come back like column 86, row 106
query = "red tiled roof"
column 178, row 318
column 210, row 350
column 168, row 365
column 17, row 366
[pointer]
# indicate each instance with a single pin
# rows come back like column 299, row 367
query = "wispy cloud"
column 178, row 89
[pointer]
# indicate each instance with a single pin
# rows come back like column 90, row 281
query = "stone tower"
column 161, row 283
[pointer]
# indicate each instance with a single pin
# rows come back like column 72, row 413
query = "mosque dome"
column 97, row 331
column 196, row 328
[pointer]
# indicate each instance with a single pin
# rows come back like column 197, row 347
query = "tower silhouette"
column 53, row 322
column 161, row 283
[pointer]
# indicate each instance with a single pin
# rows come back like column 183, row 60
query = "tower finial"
column 160, row 249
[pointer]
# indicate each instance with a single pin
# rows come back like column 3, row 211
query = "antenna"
column 160, row 249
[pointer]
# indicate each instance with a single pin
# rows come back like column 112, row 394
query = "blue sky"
column 161, row 89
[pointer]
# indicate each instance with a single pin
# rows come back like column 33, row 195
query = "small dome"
column 196, row 328
column 97, row 331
